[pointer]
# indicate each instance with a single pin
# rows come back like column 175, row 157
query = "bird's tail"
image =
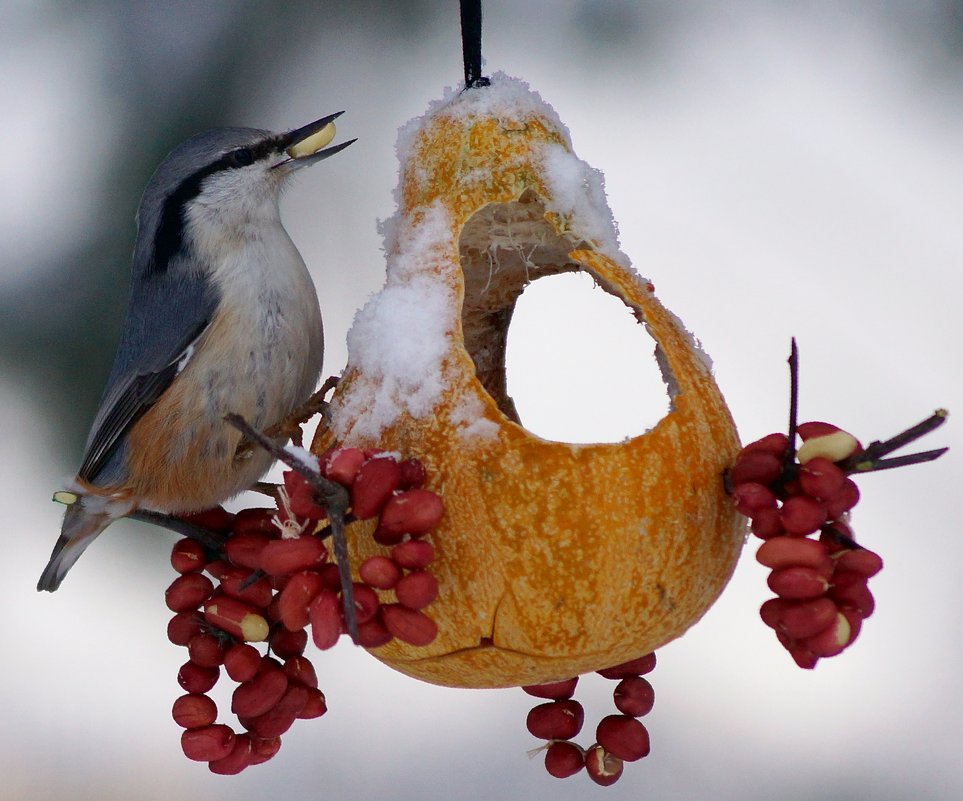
column 84, row 519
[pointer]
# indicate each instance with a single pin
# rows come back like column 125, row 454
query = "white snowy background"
column 775, row 170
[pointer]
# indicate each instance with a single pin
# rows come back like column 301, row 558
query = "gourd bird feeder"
column 553, row 559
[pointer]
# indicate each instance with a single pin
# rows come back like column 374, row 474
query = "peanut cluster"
column 618, row 738
column 273, row 581
column 799, row 504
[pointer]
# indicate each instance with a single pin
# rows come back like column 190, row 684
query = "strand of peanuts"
column 821, row 587
column 273, row 581
column 618, row 738
column 801, row 510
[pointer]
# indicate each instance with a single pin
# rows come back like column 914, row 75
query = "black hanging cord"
column 471, row 27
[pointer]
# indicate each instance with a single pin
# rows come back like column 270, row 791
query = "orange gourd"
column 553, row 559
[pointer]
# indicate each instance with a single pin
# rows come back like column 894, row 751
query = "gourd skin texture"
column 553, row 559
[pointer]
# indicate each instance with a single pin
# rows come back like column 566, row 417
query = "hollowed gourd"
column 553, row 558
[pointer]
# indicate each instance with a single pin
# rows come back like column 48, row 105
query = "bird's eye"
column 241, row 157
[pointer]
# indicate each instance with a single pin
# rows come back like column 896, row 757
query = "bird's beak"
column 306, row 145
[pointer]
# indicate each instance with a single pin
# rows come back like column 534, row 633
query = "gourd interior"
column 503, row 248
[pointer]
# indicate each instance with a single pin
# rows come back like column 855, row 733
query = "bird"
column 222, row 318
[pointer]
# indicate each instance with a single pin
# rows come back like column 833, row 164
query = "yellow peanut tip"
column 311, row 145
column 835, row 447
column 65, row 497
column 254, row 628
column 844, row 631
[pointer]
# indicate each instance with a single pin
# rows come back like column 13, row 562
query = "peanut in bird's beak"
column 305, row 146
column 313, row 143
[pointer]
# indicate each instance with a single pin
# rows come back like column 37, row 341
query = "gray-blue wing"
column 168, row 313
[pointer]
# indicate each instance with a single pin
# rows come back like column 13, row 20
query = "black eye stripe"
column 170, row 231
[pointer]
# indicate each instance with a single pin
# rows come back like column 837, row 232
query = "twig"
column 789, row 467
column 329, row 494
column 934, row 421
column 870, row 459
column 874, row 465
column 211, row 540
column 266, row 488
column 290, row 426
column 793, row 402
column 252, row 577
column 324, row 533
column 840, row 538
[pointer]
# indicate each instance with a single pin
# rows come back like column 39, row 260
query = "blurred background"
column 776, row 169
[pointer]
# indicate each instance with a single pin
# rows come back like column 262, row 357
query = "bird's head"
column 226, row 176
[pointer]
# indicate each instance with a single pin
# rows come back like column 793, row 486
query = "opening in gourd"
column 578, row 370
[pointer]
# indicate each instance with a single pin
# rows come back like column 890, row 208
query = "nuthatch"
column 222, row 317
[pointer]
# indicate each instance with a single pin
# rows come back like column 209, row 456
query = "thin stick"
column 793, row 401
column 870, row 459
column 329, row 494
column 840, row 538
column 876, row 449
column 290, row 426
column 266, row 488
column 344, row 574
column 874, row 465
column 209, row 539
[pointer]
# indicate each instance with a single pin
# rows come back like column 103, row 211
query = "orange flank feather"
column 181, row 453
